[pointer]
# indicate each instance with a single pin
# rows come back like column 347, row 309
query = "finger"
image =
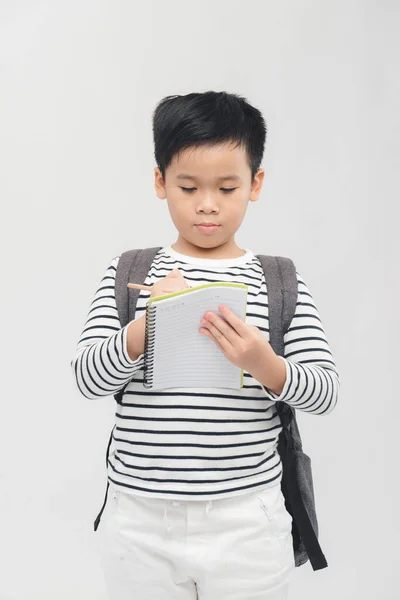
column 222, row 325
column 237, row 324
column 220, row 342
column 223, row 333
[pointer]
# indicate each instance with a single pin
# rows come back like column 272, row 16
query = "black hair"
column 207, row 118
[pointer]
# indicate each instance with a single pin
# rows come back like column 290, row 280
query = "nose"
column 207, row 203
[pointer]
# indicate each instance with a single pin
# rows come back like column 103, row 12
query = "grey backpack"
column 297, row 481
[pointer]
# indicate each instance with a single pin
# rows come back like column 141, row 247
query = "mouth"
column 207, row 228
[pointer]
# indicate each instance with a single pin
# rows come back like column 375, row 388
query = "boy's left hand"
column 244, row 345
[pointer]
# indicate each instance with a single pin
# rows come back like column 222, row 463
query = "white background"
column 79, row 82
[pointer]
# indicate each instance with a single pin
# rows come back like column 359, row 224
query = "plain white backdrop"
column 79, row 82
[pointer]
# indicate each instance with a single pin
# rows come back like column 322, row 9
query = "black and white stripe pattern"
column 201, row 443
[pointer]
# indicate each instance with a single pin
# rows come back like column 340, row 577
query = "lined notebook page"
column 182, row 356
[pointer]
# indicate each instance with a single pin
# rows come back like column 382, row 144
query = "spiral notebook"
column 176, row 354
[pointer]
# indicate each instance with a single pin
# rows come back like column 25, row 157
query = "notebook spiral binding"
column 149, row 343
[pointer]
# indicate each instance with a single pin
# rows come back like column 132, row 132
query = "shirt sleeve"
column 312, row 380
column 102, row 365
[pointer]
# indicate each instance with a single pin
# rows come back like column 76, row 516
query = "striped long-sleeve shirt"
column 201, row 443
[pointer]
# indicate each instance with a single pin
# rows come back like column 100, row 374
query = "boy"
column 197, row 503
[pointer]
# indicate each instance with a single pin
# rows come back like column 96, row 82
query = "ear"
column 257, row 185
column 159, row 184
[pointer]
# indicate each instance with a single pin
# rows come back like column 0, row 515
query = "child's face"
column 207, row 198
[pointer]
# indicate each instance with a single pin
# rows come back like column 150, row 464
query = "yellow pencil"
column 138, row 286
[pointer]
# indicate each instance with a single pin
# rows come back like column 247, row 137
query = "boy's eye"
column 226, row 190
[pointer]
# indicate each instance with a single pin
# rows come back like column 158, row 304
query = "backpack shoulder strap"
column 282, row 289
column 133, row 266
column 281, row 281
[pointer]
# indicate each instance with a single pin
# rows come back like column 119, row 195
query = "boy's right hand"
column 173, row 282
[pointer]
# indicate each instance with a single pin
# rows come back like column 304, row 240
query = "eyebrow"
column 222, row 178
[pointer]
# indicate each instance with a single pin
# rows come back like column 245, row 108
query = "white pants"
column 237, row 548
